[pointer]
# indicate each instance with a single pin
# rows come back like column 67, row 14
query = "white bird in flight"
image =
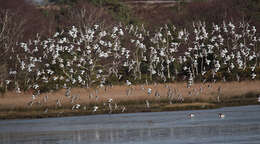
column 95, row 108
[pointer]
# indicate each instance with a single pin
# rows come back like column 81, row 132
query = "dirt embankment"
column 163, row 97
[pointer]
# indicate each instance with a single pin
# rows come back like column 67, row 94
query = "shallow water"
column 241, row 125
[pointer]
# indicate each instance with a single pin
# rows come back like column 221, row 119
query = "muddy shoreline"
column 131, row 107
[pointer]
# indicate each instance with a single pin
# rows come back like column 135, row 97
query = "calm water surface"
column 240, row 126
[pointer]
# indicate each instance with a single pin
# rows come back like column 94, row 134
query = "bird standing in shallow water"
column 221, row 115
column 191, row 115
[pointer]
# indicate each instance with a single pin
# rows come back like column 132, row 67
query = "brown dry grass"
column 11, row 100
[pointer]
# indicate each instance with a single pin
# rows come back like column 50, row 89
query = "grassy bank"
column 128, row 99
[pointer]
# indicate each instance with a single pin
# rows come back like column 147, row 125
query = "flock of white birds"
column 83, row 57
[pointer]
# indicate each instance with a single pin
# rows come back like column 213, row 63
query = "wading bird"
column 221, row 115
column 191, row 115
